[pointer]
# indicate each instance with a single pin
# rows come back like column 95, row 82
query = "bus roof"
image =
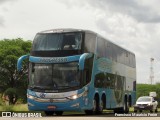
column 66, row 30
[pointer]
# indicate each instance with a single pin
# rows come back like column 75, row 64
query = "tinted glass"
column 101, row 47
column 59, row 41
column 108, row 50
column 54, row 76
column 90, row 41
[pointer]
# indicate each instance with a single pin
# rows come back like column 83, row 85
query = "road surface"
column 105, row 116
column 85, row 118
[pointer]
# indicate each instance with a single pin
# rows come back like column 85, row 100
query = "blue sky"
column 133, row 24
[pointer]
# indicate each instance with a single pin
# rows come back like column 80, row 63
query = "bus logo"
column 42, row 95
column 53, row 60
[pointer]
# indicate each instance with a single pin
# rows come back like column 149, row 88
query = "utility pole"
column 151, row 71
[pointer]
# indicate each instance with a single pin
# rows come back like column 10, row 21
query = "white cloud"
column 134, row 25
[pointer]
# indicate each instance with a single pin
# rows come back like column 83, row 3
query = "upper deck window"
column 57, row 41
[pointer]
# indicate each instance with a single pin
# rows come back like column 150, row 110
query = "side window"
column 101, row 47
column 120, row 55
column 114, row 53
column 88, row 70
column 126, row 58
column 90, row 41
column 118, row 51
column 108, row 50
column 130, row 60
column 133, row 60
column 86, row 77
column 99, row 79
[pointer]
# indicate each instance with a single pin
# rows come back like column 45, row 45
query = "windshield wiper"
column 38, row 87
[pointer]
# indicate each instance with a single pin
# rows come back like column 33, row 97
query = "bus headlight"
column 73, row 97
column 30, row 97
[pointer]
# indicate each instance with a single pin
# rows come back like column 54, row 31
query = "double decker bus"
column 79, row 70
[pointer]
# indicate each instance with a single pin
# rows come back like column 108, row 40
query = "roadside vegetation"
column 144, row 89
column 13, row 84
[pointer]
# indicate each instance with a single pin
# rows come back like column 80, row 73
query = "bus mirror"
column 82, row 59
column 20, row 60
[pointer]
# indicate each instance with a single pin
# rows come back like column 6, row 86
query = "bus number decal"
column 53, row 60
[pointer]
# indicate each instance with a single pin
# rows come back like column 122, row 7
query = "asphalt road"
column 105, row 116
column 86, row 118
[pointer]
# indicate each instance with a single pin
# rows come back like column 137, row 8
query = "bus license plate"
column 51, row 107
column 141, row 106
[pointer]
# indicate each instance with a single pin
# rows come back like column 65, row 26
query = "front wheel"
column 94, row 109
column 151, row 111
column 156, row 110
column 100, row 107
column 135, row 111
column 59, row 113
column 48, row 113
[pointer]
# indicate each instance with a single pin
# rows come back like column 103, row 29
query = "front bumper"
column 78, row 104
column 148, row 107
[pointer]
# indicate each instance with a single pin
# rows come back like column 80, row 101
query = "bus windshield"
column 54, row 76
column 57, row 41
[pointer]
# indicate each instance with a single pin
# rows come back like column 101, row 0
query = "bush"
column 10, row 95
column 1, row 101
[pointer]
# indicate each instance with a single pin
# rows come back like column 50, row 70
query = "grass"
column 19, row 107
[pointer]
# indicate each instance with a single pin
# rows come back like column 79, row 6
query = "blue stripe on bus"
column 80, row 58
column 54, row 59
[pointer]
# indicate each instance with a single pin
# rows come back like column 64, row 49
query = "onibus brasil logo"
column 20, row 114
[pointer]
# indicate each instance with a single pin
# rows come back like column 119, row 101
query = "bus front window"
column 57, row 41
column 54, row 76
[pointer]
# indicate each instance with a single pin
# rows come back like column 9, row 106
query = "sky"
column 132, row 24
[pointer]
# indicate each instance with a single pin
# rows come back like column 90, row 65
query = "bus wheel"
column 100, row 107
column 59, row 113
column 135, row 111
column 125, row 106
column 89, row 112
column 156, row 110
column 94, row 109
column 49, row 113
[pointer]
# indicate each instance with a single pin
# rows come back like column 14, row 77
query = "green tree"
column 10, row 51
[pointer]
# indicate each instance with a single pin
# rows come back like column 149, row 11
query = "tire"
column 94, row 109
column 151, row 111
column 117, row 110
column 89, row 112
column 156, row 110
column 135, row 111
column 100, row 107
column 59, row 113
column 48, row 113
column 125, row 108
column 130, row 101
